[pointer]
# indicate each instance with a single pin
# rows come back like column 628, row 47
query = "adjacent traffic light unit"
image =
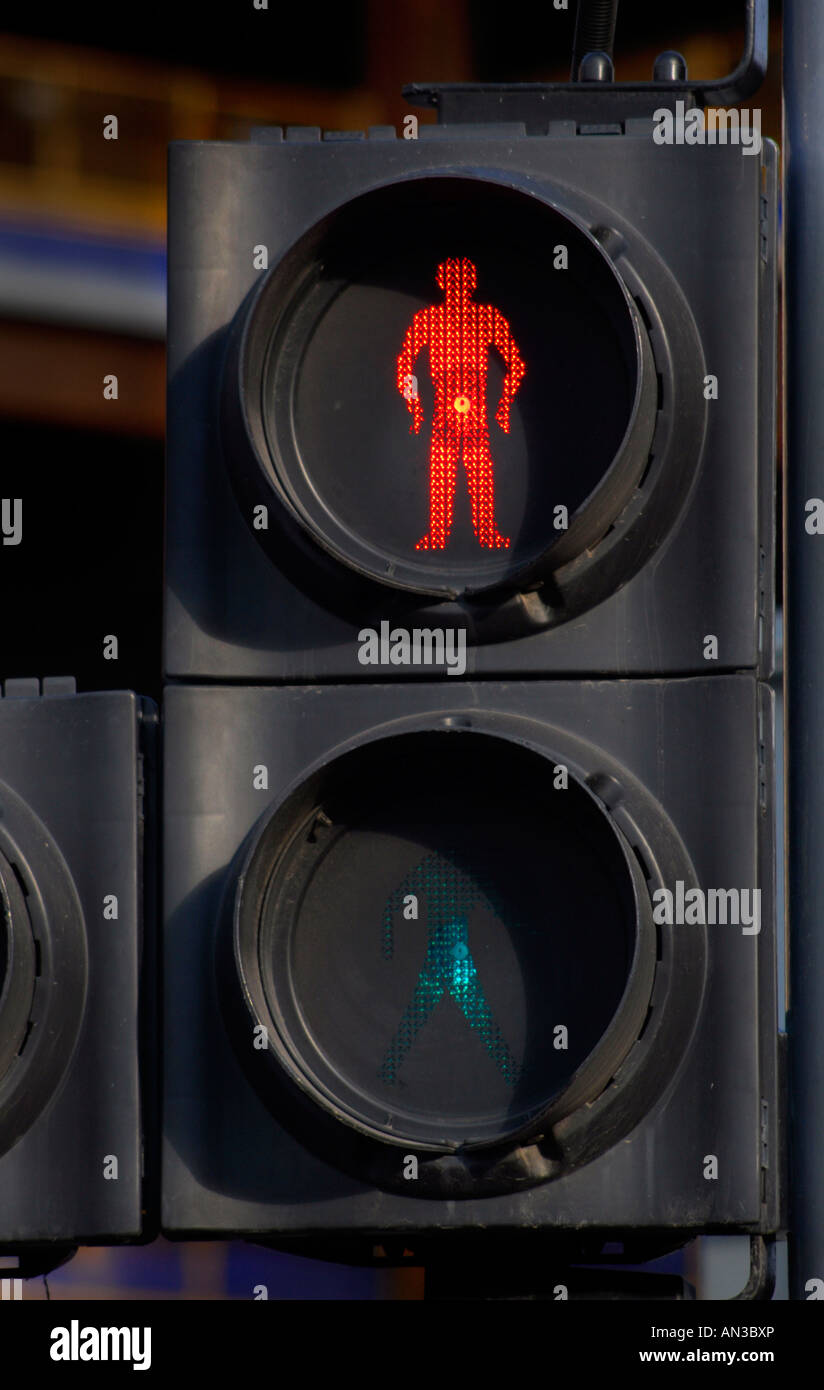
column 76, row 1032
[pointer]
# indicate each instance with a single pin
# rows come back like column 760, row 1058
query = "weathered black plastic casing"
column 83, row 765
column 701, row 747
column 709, row 213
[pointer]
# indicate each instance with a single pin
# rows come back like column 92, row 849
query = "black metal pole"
column 594, row 30
column 804, row 614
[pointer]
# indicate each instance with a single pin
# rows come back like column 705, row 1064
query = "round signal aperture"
column 17, row 967
column 444, row 942
column 451, row 373
column 5, row 939
column 44, row 959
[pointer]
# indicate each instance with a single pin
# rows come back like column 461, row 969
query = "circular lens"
column 17, row 967
column 446, row 373
column 44, row 961
column 444, row 940
column 5, row 934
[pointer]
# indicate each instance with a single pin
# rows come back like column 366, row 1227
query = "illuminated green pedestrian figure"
column 448, row 968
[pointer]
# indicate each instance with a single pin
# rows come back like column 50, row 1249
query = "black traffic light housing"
column 77, row 1031
column 276, row 920
column 640, row 279
column 420, row 973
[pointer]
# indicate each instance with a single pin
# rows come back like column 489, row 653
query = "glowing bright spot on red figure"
column 459, row 334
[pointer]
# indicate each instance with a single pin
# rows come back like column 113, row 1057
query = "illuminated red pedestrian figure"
column 459, row 334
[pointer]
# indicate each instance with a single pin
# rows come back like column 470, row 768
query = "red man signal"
column 459, row 334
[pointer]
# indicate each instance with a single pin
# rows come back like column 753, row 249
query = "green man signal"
column 448, row 967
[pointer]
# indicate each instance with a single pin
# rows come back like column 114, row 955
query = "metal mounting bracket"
column 536, row 103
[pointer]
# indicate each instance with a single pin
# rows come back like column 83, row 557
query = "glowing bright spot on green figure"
column 448, row 967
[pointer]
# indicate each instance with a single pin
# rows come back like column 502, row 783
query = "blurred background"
column 82, row 296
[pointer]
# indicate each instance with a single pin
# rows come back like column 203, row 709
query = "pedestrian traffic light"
column 75, row 967
column 493, row 405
